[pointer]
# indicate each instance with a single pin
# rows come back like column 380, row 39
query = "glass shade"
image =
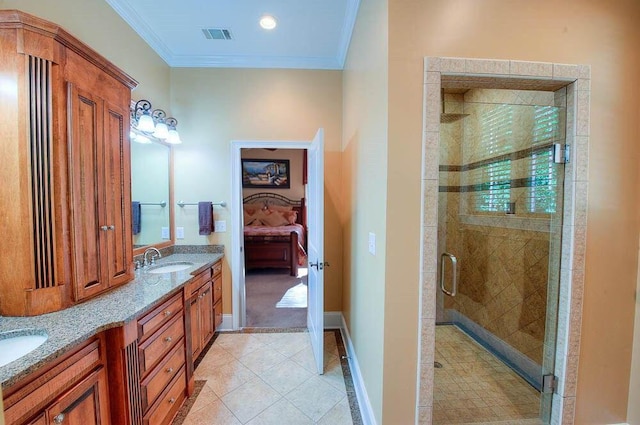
column 146, row 124
column 162, row 131
column 174, row 137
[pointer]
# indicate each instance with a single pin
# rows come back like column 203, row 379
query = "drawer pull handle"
column 170, row 370
column 167, row 313
column 168, row 339
column 172, row 400
column 59, row 418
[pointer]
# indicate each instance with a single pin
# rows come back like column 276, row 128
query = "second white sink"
column 15, row 344
column 168, row 268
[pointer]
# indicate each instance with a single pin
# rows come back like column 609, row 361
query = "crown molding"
column 347, row 30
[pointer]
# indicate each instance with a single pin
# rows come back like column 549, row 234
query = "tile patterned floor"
column 270, row 378
column 475, row 387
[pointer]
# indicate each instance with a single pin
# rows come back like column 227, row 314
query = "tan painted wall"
column 295, row 157
column 365, row 192
column 603, row 34
column 99, row 26
column 216, row 106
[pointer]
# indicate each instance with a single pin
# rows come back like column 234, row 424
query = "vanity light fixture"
column 268, row 22
column 152, row 122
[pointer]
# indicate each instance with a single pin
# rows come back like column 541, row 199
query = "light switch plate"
column 220, row 226
column 372, row 243
column 179, row 232
column 165, row 233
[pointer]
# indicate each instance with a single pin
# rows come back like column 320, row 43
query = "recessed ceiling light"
column 268, row 22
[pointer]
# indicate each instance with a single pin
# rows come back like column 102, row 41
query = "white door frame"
column 238, row 302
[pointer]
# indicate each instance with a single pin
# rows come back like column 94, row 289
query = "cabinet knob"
column 104, row 228
column 112, row 227
column 168, row 339
column 170, row 370
column 172, row 400
column 58, row 419
column 167, row 313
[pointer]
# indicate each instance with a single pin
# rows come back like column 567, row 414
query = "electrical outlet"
column 372, row 243
column 179, row 232
column 165, row 233
column 220, row 226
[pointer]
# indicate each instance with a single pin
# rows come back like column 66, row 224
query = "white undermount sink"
column 15, row 344
column 168, row 268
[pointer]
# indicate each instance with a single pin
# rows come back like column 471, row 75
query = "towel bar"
column 181, row 204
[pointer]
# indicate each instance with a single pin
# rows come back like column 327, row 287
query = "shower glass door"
column 499, row 239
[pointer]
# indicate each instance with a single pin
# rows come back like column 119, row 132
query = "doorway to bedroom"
column 274, row 236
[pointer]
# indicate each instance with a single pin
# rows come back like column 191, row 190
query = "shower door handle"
column 454, row 263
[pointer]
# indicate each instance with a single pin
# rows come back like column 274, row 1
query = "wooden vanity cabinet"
column 65, row 193
column 70, row 390
column 148, row 360
column 217, row 294
column 200, row 295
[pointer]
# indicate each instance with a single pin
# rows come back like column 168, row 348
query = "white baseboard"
column 227, row 323
column 368, row 418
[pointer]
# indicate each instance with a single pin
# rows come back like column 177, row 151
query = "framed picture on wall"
column 266, row 173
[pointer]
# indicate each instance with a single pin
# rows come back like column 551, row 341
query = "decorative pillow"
column 274, row 219
column 280, row 208
column 291, row 216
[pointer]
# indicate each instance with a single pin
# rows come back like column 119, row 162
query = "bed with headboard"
column 274, row 232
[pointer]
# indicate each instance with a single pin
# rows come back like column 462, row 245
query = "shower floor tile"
column 474, row 387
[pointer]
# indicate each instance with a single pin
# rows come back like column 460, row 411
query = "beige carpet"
column 275, row 299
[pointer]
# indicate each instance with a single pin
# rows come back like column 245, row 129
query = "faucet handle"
column 137, row 265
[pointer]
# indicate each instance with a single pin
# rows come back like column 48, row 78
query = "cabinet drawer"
column 217, row 268
column 217, row 313
column 155, row 348
column 160, row 315
column 46, row 386
column 217, row 289
column 168, row 403
column 157, row 381
column 197, row 282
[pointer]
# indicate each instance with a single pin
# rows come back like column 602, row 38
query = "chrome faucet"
column 145, row 261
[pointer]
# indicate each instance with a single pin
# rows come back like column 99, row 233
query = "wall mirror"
column 151, row 193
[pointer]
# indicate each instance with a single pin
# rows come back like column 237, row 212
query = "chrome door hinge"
column 549, row 383
column 561, row 153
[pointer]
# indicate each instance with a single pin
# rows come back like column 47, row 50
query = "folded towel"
column 136, row 217
column 205, row 217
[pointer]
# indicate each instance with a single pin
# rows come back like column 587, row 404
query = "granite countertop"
column 69, row 327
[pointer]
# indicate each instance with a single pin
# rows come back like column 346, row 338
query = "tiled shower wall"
column 503, row 259
column 512, row 74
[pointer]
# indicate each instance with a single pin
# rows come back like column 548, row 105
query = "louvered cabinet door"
column 117, row 188
column 89, row 230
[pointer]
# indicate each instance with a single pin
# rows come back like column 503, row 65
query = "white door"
column 315, row 247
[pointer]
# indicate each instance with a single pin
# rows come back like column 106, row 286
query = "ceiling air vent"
column 217, row 34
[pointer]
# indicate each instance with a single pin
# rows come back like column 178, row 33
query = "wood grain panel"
column 42, row 387
column 117, row 163
column 157, row 317
column 157, row 381
column 156, row 347
column 87, row 178
column 163, row 411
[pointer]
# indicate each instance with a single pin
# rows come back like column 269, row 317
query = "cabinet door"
column 85, row 404
column 206, row 314
column 40, row 420
column 194, row 303
column 87, row 178
column 117, row 164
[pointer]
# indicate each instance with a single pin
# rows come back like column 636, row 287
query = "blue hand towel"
column 136, row 217
column 205, row 217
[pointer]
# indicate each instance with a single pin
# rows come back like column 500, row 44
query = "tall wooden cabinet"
column 65, row 201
